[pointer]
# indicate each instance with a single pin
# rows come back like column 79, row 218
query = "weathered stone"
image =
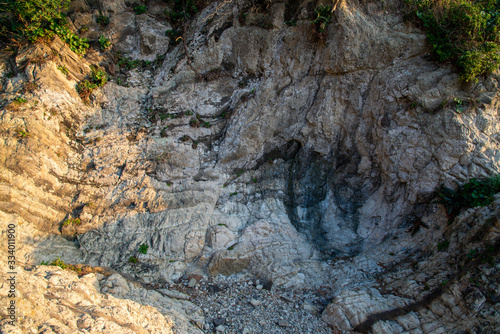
column 192, row 283
column 302, row 162
column 255, row 302
column 283, row 323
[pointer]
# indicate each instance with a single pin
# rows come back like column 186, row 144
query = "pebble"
column 192, row 283
column 308, row 307
column 220, row 328
column 255, row 302
column 283, row 323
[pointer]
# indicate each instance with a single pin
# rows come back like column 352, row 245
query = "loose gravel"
column 244, row 306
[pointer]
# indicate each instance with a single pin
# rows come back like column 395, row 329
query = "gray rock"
column 283, row 323
column 192, row 283
column 174, row 294
column 310, row 160
column 219, row 321
column 255, row 302
column 310, row 308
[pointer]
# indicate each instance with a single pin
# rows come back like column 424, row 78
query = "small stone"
column 192, row 283
column 259, row 287
column 246, row 331
column 255, row 302
column 308, row 307
column 174, row 294
column 206, row 326
column 283, row 323
column 213, row 288
column 219, row 321
column 220, row 328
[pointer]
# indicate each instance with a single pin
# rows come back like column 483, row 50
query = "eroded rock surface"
column 264, row 151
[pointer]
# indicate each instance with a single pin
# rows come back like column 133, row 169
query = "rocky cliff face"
column 255, row 148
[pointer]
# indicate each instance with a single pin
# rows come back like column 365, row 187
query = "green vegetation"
column 22, row 134
column 98, row 78
column 20, row 100
column 71, row 221
column 159, row 59
column 443, row 245
column 472, row 253
column 140, row 9
column 174, row 35
column 143, row 249
column 465, row 32
column 102, row 20
column 83, row 29
column 323, row 17
column 133, row 259
column 129, row 63
column 60, row 263
column 37, row 20
column 472, row 194
column 194, row 122
column 63, row 69
column 183, row 10
column 104, row 42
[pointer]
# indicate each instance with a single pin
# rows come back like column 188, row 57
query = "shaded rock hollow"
column 301, row 161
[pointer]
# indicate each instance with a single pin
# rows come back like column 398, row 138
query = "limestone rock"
column 49, row 297
column 352, row 307
column 302, row 162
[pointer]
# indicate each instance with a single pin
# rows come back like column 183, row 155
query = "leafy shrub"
column 35, row 20
column 104, row 42
column 465, row 32
column 183, row 10
column 98, row 78
column 472, row 194
column 61, row 264
column 72, row 221
column 22, row 134
column 133, row 259
column 323, row 17
column 20, row 100
column 102, row 20
column 83, row 29
column 63, row 69
column 143, row 249
column 125, row 62
column 140, row 10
